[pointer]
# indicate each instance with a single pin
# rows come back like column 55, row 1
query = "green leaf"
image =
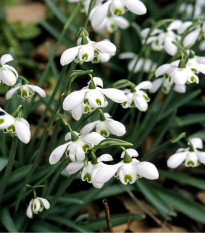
column 179, row 137
column 193, row 118
column 42, row 226
column 184, row 179
column 7, row 220
column 3, row 163
column 117, row 219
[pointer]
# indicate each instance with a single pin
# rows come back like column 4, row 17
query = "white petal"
column 116, row 127
column 69, row 55
column 175, row 25
column 6, row 120
column 7, row 76
column 191, row 160
column 144, row 85
column 169, row 47
column 156, row 84
column 176, row 159
column 93, row 138
column 95, row 98
column 197, row 143
column 162, row 70
column 36, row 205
column 201, row 156
column 86, row 53
column 29, row 212
column 98, row 82
column 6, row 58
column 131, row 152
column 88, row 128
column 121, row 22
column 127, row 55
column 37, row 89
column 136, row 7
column 192, row 37
column 73, row 100
column 106, row 46
column 74, row 167
column 80, row 154
column 115, row 95
column 180, row 88
column 140, row 102
column 180, row 76
column 57, row 153
column 77, row 112
column 199, row 68
column 147, row 170
column 68, row 135
column 105, row 158
column 23, row 131
column 128, row 173
column 103, row 57
column 45, row 203
column 11, row 92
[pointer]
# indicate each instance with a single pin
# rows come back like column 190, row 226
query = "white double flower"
column 105, row 127
column 136, row 65
column 160, row 39
column 92, row 51
column 15, row 126
column 139, row 98
column 25, row 91
column 37, row 205
column 75, row 150
column 191, row 157
column 8, row 75
column 87, row 100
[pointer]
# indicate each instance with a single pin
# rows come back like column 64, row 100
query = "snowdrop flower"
column 190, row 156
column 112, row 23
column 88, row 52
column 8, row 75
column 202, row 46
column 138, row 98
column 143, row 63
column 25, row 91
column 160, row 39
column 37, row 205
column 75, row 150
column 90, row 169
column 180, row 76
column 131, row 170
column 105, row 127
column 91, row 97
column 15, row 126
column 115, row 7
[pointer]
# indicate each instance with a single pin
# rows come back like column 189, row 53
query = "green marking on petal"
column 132, row 105
column 113, row 26
column 99, row 103
column 67, row 152
column 127, row 178
column 87, row 177
column 104, row 133
column 85, row 56
column 118, row 12
column 86, row 147
column 170, row 78
column 11, row 128
column 86, row 101
column 146, row 98
column 86, row 109
column 2, row 121
column 190, row 163
column 193, row 79
column 157, row 42
column 194, row 70
column 164, row 89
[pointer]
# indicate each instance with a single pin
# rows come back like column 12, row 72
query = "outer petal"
column 131, row 152
column 93, row 138
column 156, row 84
column 74, row 167
column 144, row 85
column 57, row 153
column 105, row 46
column 77, row 112
column 197, row 143
column 147, row 170
column 105, row 158
column 88, row 128
column 6, row 58
column 169, row 47
column 7, row 76
column 127, row 55
column 140, row 102
column 121, row 22
column 11, row 92
column 98, row 82
column 175, row 25
column 23, row 131
column 192, row 37
column 29, row 212
column 80, row 154
column 115, row 127
column 136, row 7
column 45, row 202
column 68, row 135
column 37, row 89
column 176, row 159
column 162, row 70
column 115, row 95
column 73, row 100
column 69, row 55
column 201, row 156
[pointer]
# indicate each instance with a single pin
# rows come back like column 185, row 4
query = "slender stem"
column 7, row 173
column 107, row 214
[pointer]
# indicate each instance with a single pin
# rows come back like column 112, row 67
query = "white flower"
column 189, row 156
column 15, row 126
column 86, row 99
column 37, row 205
column 160, row 40
column 88, row 52
column 143, row 63
column 76, row 150
column 90, row 169
column 138, row 98
column 180, row 76
column 8, row 75
column 105, row 127
column 25, row 91
column 129, row 172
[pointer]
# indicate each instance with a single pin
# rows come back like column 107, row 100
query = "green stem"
column 7, row 173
